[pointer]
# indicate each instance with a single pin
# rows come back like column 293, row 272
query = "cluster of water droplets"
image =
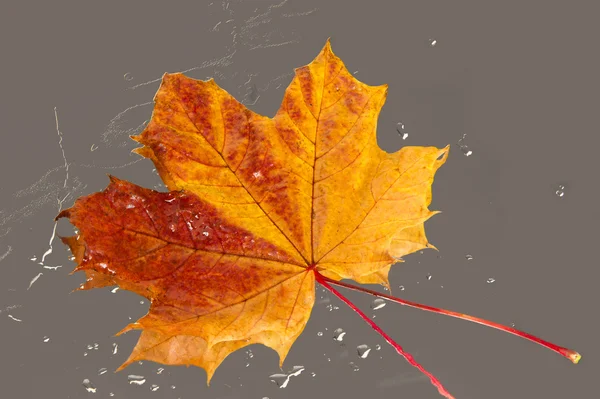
column 90, row 347
column 249, row 356
column 463, row 147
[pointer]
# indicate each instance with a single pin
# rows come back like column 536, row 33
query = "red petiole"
column 327, row 282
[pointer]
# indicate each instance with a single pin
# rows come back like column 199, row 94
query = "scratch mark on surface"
column 112, row 167
column 299, row 14
column 10, row 307
column 39, row 186
column 33, row 280
column 223, row 61
column 216, row 27
column 113, row 129
column 14, row 318
column 60, row 139
column 49, row 189
column 262, row 45
column 49, row 250
column 60, row 201
column 8, row 251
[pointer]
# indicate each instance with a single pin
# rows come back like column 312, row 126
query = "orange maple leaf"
column 258, row 210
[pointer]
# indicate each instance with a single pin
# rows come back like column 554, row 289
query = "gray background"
column 520, row 78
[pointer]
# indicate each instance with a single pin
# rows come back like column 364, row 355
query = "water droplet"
column 89, row 386
column 428, row 276
column 128, row 76
column 338, row 334
column 93, row 148
column 114, row 290
column 512, row 325
column 432, row 42
column 313, row 374
column 401, row 288
column 280, row 379
column 377, row 304
column 353, row 366
column 160, row 370
column 561, row 191
column 33, row 258
column 46, row 338
column 257, row 174
column 363, row 351
column 377, row 347
column 154, row 387
column 401, row 130
column 111, row 394
column 491, row 280
column 103, row 370
column 320, row 334
column 463, row 147
column 84, row 353
column 172, row 386
column 136, row 379
column 115, row 348
column 469, row 257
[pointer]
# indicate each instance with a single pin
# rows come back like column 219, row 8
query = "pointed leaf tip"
column 66, row 213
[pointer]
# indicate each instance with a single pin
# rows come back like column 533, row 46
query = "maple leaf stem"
column 324, row 281
column 568, row 353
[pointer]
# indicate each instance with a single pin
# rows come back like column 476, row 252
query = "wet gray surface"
column 520, row 79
